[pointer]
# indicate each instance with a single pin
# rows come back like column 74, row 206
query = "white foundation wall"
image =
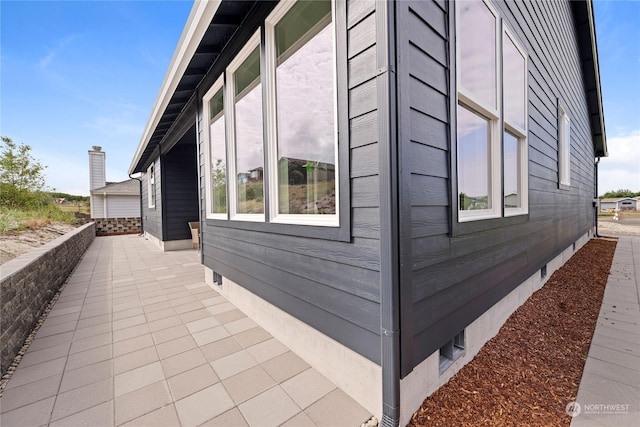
column 169, row 245
column 425, row 378
column 356, row 375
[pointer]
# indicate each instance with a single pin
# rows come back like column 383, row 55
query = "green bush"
column 15, row 198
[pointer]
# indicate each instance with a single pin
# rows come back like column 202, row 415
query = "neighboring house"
column 111, row 199
column 620, row 203
column 378, row 243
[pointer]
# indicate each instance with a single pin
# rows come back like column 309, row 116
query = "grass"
column 21, row 219
column 72, row 207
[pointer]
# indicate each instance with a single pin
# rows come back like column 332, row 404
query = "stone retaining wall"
column 29, row 282
column 116, row 226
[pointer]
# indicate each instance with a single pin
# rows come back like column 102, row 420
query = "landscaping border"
column 29, row 282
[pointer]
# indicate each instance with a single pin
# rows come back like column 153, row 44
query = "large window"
column 515, row 182
column 564, row 148
column 304, row 147
column 246, row 136
column 217, row 152
column 298, row 138
column 151, row 186
column 491, row 116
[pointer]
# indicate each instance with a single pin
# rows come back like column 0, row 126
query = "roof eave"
column 200, row 16
column 600, row 141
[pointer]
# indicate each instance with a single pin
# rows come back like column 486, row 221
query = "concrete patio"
column 138, row 338
column 609, row 393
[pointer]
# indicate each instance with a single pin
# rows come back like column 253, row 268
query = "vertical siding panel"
column 443, row 297
column 152, row 217
column 181, row 189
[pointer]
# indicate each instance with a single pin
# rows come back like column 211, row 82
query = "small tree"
column 21, row 176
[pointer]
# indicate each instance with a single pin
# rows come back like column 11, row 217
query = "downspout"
column 141, row 216
column 595, row 198
column 200, row 174
column 389, row 228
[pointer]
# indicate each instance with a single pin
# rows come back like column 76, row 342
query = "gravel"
column 528, row 373
column 15, row 243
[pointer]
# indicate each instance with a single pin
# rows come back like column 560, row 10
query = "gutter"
column 389, row 223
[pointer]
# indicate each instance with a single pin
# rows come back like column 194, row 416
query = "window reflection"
column 305, row 110
column 248, row 135
column 474, row 162
column 511, row 150
column 514, row 84
column 477, row 47
column 218, row 154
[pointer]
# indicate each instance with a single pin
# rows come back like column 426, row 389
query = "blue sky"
column 81, row 73
column 618, row 35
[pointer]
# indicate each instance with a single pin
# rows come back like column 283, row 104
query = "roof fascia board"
column 596, row 70
column 197, row 24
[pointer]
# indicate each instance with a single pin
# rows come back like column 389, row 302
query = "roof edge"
column 199, row 19
column 596, row 71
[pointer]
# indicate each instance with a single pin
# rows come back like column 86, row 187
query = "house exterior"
column 110, row 199
column 425, row 167
column 620, row 203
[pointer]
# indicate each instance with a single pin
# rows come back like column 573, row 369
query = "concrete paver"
column 609, row 392
column 137, row 338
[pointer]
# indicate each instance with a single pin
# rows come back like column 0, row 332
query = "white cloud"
column 52, row 53
column 621, row 170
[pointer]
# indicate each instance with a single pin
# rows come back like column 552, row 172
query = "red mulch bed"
column 530, row 371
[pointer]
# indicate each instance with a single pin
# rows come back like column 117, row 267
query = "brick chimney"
column 97, row 177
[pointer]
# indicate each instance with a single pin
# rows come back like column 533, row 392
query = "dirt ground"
column 528, row 373
column 16, row 243
column 627, row 225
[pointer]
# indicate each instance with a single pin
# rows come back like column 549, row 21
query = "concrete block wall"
column 29, row 282
column 116, row 226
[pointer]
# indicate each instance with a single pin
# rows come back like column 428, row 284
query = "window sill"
column 310, row 220
column 222, row 216
column 515, row 212
column 248, row 217
column 339, row 233
column 469, row 216
column 469, row 227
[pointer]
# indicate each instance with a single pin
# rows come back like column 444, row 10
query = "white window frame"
column 219, row 84
column 151, row 185
column 564, row 147
column 520, row 133
column 229, row 105
column 493, row 114
column 328, row 220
